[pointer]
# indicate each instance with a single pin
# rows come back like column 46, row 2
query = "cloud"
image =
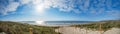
column 9, row 6
column 12, row 6
column 113, row 13
column 25, row 1
column 77, row 6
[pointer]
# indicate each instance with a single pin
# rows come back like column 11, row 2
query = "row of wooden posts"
column 100, row 29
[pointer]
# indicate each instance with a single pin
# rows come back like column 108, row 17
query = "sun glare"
column 39, row 8
column 40, row 22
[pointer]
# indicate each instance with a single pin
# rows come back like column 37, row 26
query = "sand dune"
column 75, row 30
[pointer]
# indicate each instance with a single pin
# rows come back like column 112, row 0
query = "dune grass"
column 20, row 28
column 105, row 25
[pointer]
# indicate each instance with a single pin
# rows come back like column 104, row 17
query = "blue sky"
column 59, row 10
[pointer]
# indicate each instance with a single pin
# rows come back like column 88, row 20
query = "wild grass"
column 105, row 25
column 19, row 28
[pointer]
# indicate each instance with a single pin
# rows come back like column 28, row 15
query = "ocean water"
column 56, row 23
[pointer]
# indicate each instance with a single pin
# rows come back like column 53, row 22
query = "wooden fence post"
column 100, row 28
column 30, row 30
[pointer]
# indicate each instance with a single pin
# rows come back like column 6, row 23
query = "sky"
column 59, row 10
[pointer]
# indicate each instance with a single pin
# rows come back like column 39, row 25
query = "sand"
column 76, row 30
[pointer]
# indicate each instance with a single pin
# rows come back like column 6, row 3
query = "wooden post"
column 100, row 28
column 30, row 30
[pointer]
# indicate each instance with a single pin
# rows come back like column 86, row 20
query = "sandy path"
column 74, row 30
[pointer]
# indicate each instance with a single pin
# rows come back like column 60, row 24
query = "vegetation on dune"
column 20, row 28
column 105, row 25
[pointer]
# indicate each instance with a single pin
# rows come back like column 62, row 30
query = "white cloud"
column 113, row 13
column 9, row 6
column 12, row 6
column 25, row 1
column 3, row 11
column 78, row 6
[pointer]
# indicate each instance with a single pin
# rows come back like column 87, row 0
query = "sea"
column 56, row 23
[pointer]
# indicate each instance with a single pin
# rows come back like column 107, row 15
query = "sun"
column 39, row 8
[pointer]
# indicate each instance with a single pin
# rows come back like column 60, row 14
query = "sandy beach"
column 76, row 30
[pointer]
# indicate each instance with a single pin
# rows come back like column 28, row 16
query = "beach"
column 78, row 30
